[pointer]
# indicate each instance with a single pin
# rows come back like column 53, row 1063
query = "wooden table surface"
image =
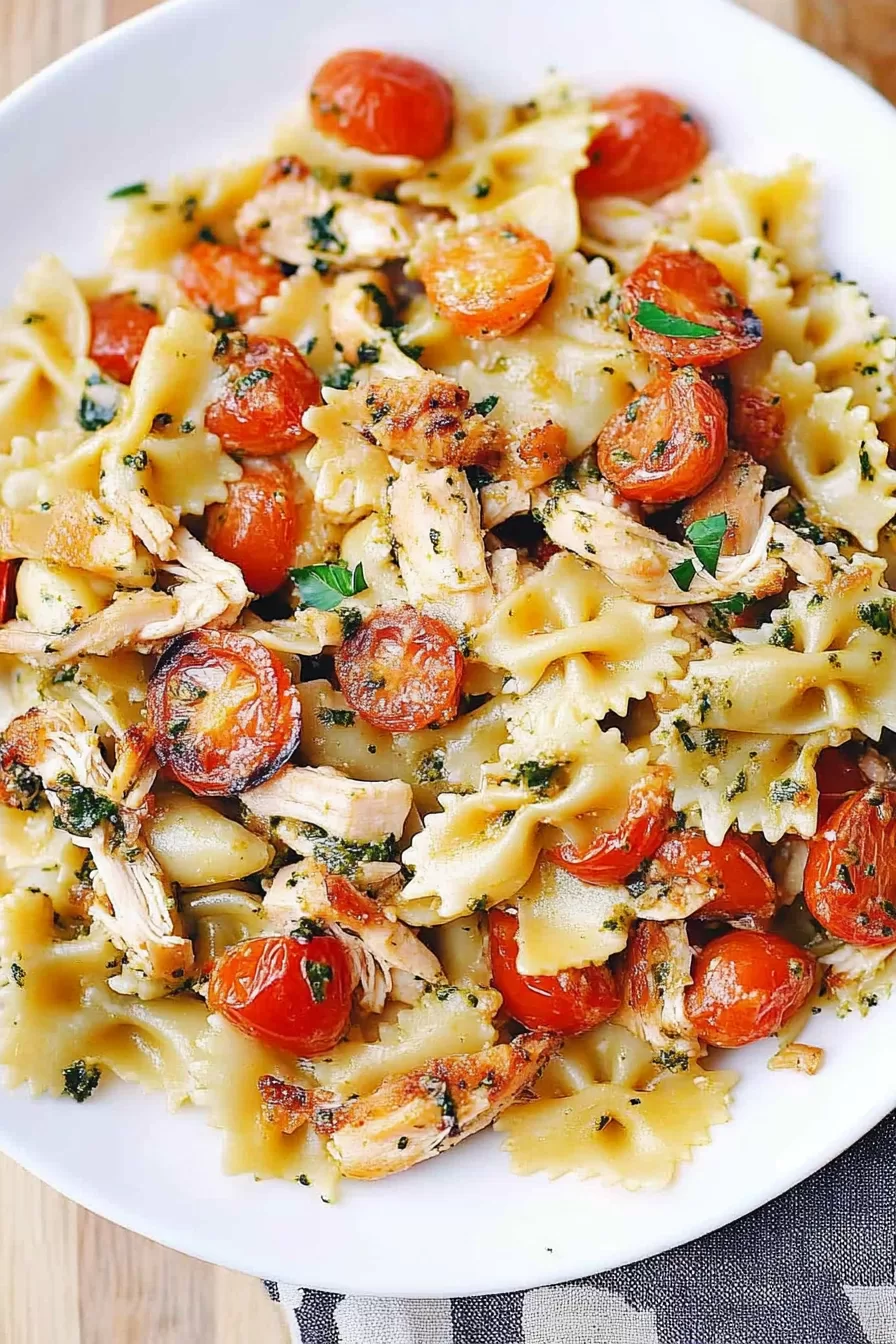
column 67, row 1277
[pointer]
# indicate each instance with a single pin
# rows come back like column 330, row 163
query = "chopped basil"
column 684, row 574
column 135, row 189
column 80, row 1080
column 81, row 809
column 485, row 406
column 307, row 928
column 386, row 311
column 654, row 318
column 368, row 353
column 324, row 586
column 706, row 536
column 879, row 615
column 318, row 974
column 321, row 236
column 338, row 718
column 536, row 775
column 17, row 974
column 97, row 409
column 250, row 380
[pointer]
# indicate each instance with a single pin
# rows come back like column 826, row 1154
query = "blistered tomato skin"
column 292, row 993
column 401, row 670
column 490, row 281
column 850, row 880
column 669, row 443
column 382, row 103
column 572, row 1002
column 267, row 388
column 837, row 775
column 8, row 570
column 119, row 326
column 223, row 712
column 733, row 870
column 757, row 422
column 687, row 286
column 227, row 282
column 613, row 855
column 650, row 145
column 255, row 528
column 746, row 985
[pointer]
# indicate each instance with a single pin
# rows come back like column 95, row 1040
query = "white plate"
column 202, row 80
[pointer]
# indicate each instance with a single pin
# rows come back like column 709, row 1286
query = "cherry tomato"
column 223, row 712
column 572, row 1002
column 490, row 281
column 382, row 103
column 8, row 570
column 120, row 324
column 757, row 422
column 733, row 870
column 837, row 775
column 850, row 880
column 612, row 855
column 294, row 993
column 669, row 442
column 256, row 527
column 268, row 388
column 650, row 145
column 746, row 986
column 401, row 670
column 227, row 282
column 687, row 286
column 286, row 167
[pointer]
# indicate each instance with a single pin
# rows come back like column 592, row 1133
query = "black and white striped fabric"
column 814, row 1267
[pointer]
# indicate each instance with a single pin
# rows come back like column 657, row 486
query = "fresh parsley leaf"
column 324, row 586
column 135, row 189
column 706, row 536
column 654, row 318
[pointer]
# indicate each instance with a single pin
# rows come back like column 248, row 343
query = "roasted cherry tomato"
column 612, row 855
column 733, row 870
column 294, row 993
column 837, row 775
column 401, row 670
column 227, row 282
column 573, row 1001
column 119, row 326
column 8, row 569
column 850, row 880
column 488, row 282
column 685, row 285
column 382, row 103
column 669, row 442
column 223, row 712
column 255, row 528
column 746, row 986
column 268, row 388
column 650, row 145
column 757, row 422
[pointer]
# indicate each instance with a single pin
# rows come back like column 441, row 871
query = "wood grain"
column 67, row 1277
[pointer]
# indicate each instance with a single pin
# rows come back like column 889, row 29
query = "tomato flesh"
column 490, row 281
column 837, row 775
column 613, row 855
column 401, row 670
column 383, row 103
column 255, row 528
column 669, row 443
column 757, row 422
column 650, row 145
column 268, row 387
column 119, row 326
column 572, row 1002
column 687, row 286
column 850, row 880
column 292, row 993
column 747, row 984
column 733, row 870
column 227, row 282
column 8, row 571
column 223, row 712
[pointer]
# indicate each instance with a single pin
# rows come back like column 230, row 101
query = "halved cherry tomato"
column 382, row 103
column 837, row 775
column 8, row 569
column 746, row 986
column 733, row 870
column 401, row 670
column 294, row 993
column 227, row 282
column 490, row 281
column 119, row 325
column 286, row 166
column 268, row 388
column 757, row 422
column 223, row 712
column 572, row 1002
column 612, row 855
column 255, row 528
column 850, row 880
column 687, row 286
column 669, row 442
column 650, row 145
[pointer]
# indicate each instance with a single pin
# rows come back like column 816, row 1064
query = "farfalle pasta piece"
column 565, row 922
column 349, row 474
column 55, row 461
column 299, row 313
column 49, row 326
column 849, row 344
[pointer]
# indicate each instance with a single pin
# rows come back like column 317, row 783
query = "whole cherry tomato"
column 739, row 880
column 255, row 528
column 571, row 1002
column 837, row 775
column 669, row 442
column 850, row 880
column 227, row 282
column 119, row 326
column 489, row 281
column 223, row 712
column 747, row 984
column 382, row 103
column 268, row 387
column 293, row 993
column 613, row 855
column 757, row 422
column 651, row 144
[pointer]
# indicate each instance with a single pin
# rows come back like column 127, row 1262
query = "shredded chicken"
column 876, row 768
column 356, row 810
column 135, row 768
column 306, row 633
column 653, row 995
column 76, row 530
column 802, row 1058
column 736, row 492
column 808, row 563
column 500, row 500
column 123, row 489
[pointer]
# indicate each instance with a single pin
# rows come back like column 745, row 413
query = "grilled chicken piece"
column 416, row 1115
column 77, row 530
column 135, row 768
column 352, row 809
column 808, row 563
column 306, row 633
column 656, row 973
column 736, row 492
